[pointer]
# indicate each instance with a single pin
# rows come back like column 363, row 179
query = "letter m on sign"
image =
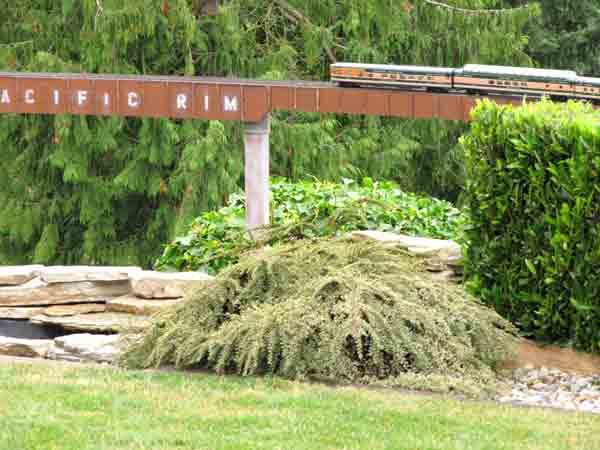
column 230, row 104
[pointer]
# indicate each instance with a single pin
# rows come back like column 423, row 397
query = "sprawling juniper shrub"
column 334, row 309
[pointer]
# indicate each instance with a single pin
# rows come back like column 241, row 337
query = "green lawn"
column 46, row 407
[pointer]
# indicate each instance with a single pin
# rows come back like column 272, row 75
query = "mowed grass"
column 70, row 407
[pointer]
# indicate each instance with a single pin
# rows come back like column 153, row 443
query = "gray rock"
column 445, row 249
column 37, row 293
column 72, row 274
column 73, row 310
column 96, row 323
column 29, row 348
column 553, row 388
column 86, row 347
column 20, row 313
column 59, row 354
column 149, row 284
column 138, row 306
column 15, row 275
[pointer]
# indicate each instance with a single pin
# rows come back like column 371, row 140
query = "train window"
column 491, row 82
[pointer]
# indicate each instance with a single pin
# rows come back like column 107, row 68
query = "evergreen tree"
column 567, row 36
column 111, row 190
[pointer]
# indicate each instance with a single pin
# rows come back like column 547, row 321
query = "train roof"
column 395, row 68
column 520, row 71
column 588, row 81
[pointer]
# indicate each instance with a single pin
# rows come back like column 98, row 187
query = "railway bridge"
column 249, row 101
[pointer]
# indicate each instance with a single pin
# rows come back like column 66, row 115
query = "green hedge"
column 533, row 192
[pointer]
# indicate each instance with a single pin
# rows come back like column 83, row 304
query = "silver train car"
column 472, row 78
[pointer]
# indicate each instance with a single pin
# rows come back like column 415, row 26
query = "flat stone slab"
column 20, row 313
column 86, row 347
column 15, row 275
column 71, row 274
column 445, row 249
column 96, row 323
column 73, row 310
column 150, row 284
column 139, row 306
column 29, row 348
column 38, row 293
column 447, row 275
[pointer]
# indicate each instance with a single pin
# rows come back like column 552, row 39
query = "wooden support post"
column 256, row 143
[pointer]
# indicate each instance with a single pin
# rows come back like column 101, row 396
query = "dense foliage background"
column 112, row 190
column 534, row 198
column 566, row 35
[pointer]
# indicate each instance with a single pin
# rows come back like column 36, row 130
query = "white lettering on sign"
column 230, row 103
column 56, row 97
column 133, row 100
column 106, row 100
column 82, row 97
column 181, row 101
column 29, row 96
column 206, row 103
column 5, row 98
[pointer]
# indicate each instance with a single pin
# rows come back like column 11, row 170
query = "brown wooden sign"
column 221, row 99
column 215, row 98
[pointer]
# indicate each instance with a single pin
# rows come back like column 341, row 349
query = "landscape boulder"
column 73, row 310
column 444, row 249
column 86, row 348
column 139, row 306
column 72, row 274
column 15, row 275
column 107, row 322
column 37, row 292
column 29, row 348
column 168, row 285
column 20, row 313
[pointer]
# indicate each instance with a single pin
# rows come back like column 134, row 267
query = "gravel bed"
column 555, row 389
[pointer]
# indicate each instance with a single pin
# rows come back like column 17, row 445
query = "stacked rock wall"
column 84, row 299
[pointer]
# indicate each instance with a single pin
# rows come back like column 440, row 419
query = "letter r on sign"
column 181, row 101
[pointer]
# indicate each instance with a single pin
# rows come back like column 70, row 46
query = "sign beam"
column 249, row 101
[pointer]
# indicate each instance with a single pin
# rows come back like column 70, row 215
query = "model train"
column 472, row 78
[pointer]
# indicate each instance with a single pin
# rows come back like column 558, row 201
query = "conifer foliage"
column 111, row 190
column 334, row 309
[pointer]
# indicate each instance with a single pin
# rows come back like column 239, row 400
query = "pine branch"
column 473, row 11
column 296, row 16
column 99, row 12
